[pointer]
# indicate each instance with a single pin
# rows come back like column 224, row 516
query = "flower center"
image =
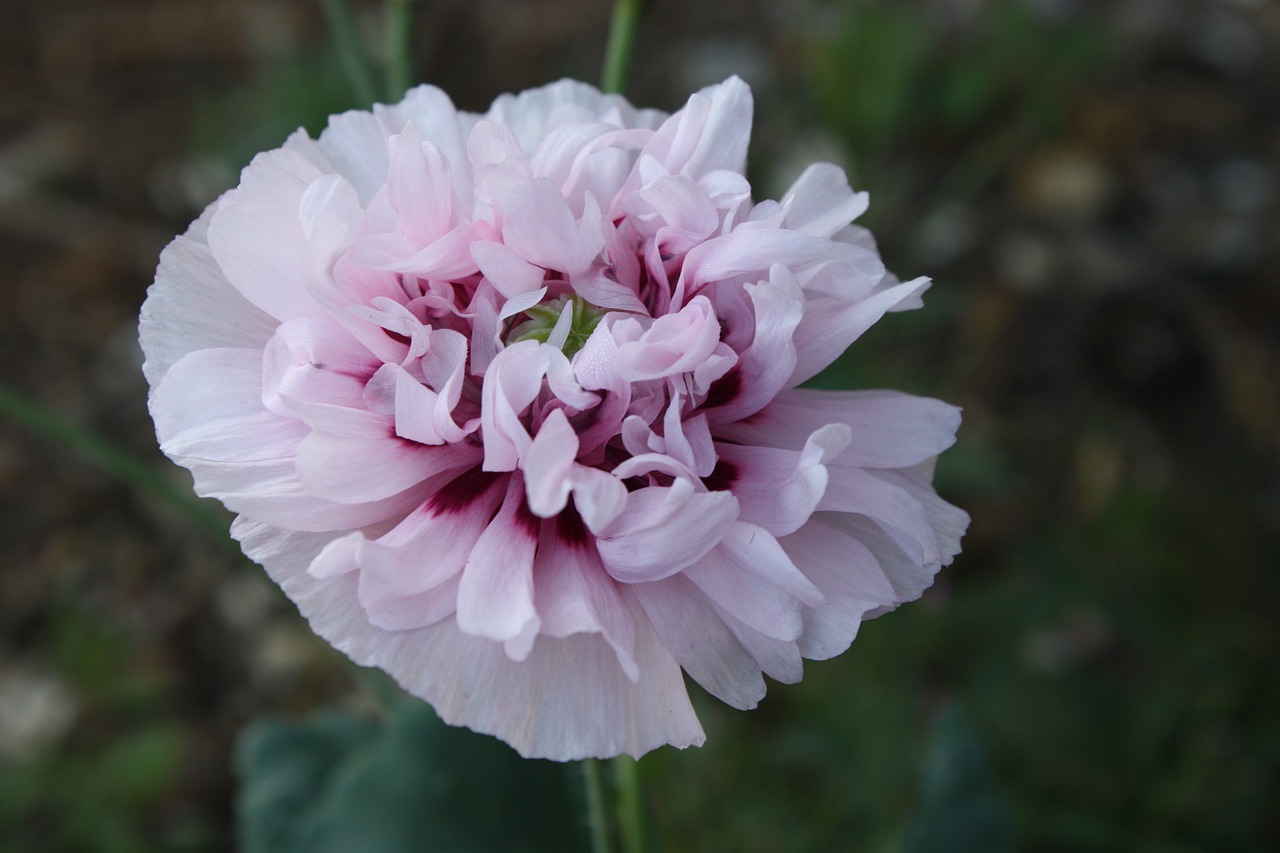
column 565, row 320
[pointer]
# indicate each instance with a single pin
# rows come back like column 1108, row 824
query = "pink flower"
column 508, row 405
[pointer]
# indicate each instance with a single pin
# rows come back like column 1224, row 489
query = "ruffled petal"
column 663, row 530
column 257, row 239
column 780, row 489
column 568, row 700
column 700, row 640
column 852, row 584
column 193, row 307
column 830, row 326
column 495, row 599
column 889, row 429
column 821, row 202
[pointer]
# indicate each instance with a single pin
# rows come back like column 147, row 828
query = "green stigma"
column 542, row 319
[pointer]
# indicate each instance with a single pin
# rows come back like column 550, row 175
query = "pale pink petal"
column 829, row 329
column 821, row 203
column 851, row 581
column 508, row 272
column 270, row 491
column 548, row 465
column 674, row 343
column 663, row 530
column 890, row 429
column 571, row 698
column 574, row 595
column 208, row 408
column 355, row 146
column 495, row 599
column 408, row 575
column 192, row 307
column 539, row 227
column 447, row 257
column 778, row 659
column 779, row 489
column 700, row 640
column 330, row 215
column 512, row 382
column 949, row 523
column 765, row 366
column 710, row 133
column 604, row 292
column 313, row 359
column 364, row 461
column 257, row 239
column 765, row 607
column 749, row 253
column 599, row 497
column 854, row 490
column 908, row 574
column 419, row 186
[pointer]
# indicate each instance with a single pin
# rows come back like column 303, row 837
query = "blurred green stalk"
column 111, row 459
column 597, row 815
column 354, row 61
column 617, row 52
column 626, row 778
column 399, row 36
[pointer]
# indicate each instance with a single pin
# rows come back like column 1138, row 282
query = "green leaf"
column 338, row 782
column 961, row 810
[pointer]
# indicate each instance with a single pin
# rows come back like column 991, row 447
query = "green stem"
column 626, row 778
column 110, row 458
column 617, row 53
column 597, row 816
column 399, row 37
column 347, row 40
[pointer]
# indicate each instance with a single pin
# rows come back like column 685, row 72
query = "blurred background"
column 1094, row 188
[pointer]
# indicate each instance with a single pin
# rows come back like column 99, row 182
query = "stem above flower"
column 617, row 53
column 353, row 59
column 399, row 35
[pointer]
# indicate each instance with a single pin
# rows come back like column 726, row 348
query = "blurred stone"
column 284, row 652
column 945, row 233
column 1224, row 38
column 1241, row 185
column 1064, row 184
column 1102, row 263
column 246, row 601
column 1079, row 636
column 1026, row 261
column 36, row 710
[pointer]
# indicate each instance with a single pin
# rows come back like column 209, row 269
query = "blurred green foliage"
column 99, row 790
column 884, row 72
column 339, row 782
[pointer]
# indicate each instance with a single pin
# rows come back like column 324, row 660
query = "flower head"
column 508, row 405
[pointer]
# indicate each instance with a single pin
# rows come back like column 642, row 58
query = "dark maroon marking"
column 722, row 477
column 526, row 520
column 724, row 390
column 464, row 490
column 571, row 530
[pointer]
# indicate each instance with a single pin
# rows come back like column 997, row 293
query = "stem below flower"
column 626, row 777
column 617, row 53
column 597, row 817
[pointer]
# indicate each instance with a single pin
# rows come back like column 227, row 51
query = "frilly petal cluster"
column 508, row 404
